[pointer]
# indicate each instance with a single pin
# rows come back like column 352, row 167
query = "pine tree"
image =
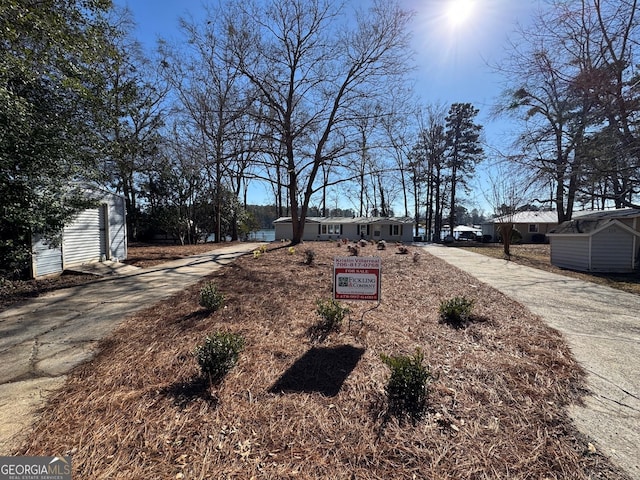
column 464, row 149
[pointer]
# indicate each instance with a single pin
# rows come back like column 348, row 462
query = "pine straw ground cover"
column 295, row 408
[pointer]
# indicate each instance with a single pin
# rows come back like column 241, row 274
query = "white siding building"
column 95, row 234
column 607, row 241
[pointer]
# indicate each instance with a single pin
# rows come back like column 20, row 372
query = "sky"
column 456, row 42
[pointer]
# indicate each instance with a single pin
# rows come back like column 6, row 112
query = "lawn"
column 296, row 407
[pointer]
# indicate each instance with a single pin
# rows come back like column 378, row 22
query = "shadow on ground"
column 321, row 370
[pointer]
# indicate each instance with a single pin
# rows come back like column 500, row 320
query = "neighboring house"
column 96, row 234
column 606, row 241
column 391, row 229
column 532, row 225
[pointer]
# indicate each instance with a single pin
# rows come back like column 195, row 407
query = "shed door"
column 85, row 238
column 612, row 250
column 46, row 259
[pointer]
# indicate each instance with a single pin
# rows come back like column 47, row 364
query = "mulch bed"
column 294, row 407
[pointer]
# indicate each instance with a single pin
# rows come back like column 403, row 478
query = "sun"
column 458, row 12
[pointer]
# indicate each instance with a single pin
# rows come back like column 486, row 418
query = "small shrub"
column 456, row 311
column 539, row 238
column 516, row 236
column 218, row 354
column 331, row 313
column 402, row 250
column 363, row 243
column 263, row 249
column 382, row 245
column 407, row 387
column 257, row 253
column 291, row 250
column 210, row 297
column 309, row 256
column 416, row 257
column 353, row 250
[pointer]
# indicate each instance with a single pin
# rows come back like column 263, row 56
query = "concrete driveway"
column 42, row 339
column 602, row 328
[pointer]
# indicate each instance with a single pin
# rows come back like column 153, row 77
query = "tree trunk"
column 452, row 204
column 506, row 230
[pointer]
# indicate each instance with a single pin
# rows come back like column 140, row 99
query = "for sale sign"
column 356, row 278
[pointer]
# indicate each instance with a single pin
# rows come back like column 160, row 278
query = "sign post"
column 357, row 278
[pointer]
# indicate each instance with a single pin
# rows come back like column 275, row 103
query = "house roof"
column 354, row 220
column 528, row 217
column 594, row 222
column 531, row 216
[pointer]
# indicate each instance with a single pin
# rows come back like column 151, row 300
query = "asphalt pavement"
column 602, row 328
column 43, row 339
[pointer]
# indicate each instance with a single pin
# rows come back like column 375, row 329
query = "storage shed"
column 606, row 241
column 395, row 229
column 96, row 234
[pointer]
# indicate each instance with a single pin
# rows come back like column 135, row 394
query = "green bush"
column 456, row 310
column 407, row 387
column 331, row 313
column 210, row 297
column 516, row 236
column 218, row 354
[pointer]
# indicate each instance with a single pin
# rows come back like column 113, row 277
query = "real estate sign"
column 356, row 278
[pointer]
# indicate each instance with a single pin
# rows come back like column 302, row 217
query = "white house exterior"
column 95, row 234
column 606, row 241
column 391, row 229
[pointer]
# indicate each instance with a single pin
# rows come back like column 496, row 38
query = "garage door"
column 85, row 239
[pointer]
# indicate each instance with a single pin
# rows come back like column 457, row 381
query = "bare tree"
column 398, row 131
column 311, row 69
column 429, row 155
column 573, row 84
column 509, row 191
column 212, row 98
column 129, row 116
column 610, row 79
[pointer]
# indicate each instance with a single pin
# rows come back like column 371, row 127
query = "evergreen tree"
column 464, row 150
column 47, row 141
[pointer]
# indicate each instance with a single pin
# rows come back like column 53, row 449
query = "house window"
column 330, row 229
column 533, row 228
column 363, row 230
column 396, row 230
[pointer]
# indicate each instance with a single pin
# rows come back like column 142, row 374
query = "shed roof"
column 593, row 222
